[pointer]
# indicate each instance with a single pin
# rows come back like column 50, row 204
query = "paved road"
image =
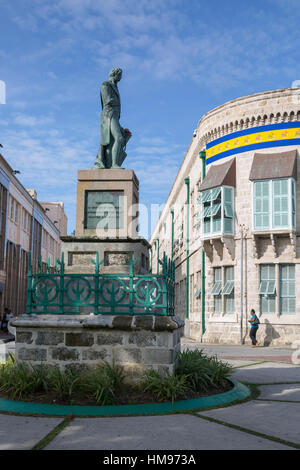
column 269, row 422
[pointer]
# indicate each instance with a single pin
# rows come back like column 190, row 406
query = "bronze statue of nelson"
column 114, row 138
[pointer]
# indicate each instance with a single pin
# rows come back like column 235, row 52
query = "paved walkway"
column 268, row 422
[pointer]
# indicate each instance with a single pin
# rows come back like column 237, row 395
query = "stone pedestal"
column 107, row 224
column 107, row 203
column 136, row 343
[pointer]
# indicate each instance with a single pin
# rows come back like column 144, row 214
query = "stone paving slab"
column 241, row 362
column 276, row 419
column 173, row 432
column 280, row 392
column 268, row 372
column 22, row 432
column 240, row 351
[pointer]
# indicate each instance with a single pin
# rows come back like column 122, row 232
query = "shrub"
column 202, row 372
column 219, row 371
column 103, row 383
column 20, row 379
column 63, row 382
column 170, row 387
column 194, row 372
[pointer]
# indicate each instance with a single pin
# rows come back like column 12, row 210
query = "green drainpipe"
column 202, row 155
column 172, row 240
column 151, row 259
column 187, row 182
column 157, row 255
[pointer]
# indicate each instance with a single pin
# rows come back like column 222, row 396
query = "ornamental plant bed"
column 196, row 375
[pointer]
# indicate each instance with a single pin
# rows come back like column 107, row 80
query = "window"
column 267, row 288
column 16, row 212
column 261, row 204
column 217, row 211
column 217, row 289
column 197, row 290
column 12, row 208
column 228, row 290
column 223, row 292
column 51, row 244
column 274, row 204
column 287, row 289
column 3, row 210
column 26, row 221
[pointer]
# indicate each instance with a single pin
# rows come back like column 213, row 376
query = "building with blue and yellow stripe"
column 232, row 222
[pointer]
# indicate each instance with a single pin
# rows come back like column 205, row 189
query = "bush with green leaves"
column 63, row 382
column 21, row 379
column 194, row 372
column 202, row 372
column 168, row 387
column 103, row 383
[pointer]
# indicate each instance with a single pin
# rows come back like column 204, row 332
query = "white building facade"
column 232, row 222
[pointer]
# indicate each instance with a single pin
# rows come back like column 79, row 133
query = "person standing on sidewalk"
column 254, row 321
column 5, row 319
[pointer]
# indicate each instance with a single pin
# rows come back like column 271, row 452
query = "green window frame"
column 293, row 188
column 274, row 204
column 197, row 294
column 215, row 193
column 287, row 289
column 217, row 289
column 267, row 288
column 280, row 191
column 217, row 211
column 228, row 216
column 228, row 290
column 261, row 205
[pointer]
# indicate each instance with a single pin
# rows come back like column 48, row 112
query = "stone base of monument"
column 78, row 342
column 107, row 223
column 115, row 253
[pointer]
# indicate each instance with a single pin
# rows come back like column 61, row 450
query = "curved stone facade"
column 266, row 125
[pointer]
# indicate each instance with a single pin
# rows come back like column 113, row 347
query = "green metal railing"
column 106, row 294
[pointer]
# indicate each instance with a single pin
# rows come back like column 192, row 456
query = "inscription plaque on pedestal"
column 104, row 210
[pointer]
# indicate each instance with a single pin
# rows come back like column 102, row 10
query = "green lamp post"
column 172, row 236
column 202, row 155
column 187, row 182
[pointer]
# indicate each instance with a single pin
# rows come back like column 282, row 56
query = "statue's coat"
column 111, row 108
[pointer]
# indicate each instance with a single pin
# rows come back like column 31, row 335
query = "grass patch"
column 52, row 434
column 250, row 431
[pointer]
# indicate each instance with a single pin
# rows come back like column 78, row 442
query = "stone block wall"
column 79, row 342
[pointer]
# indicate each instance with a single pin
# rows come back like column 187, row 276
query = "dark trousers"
column 253, row 332
column 4, row 326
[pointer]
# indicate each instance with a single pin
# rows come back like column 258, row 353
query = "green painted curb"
column 239, row 392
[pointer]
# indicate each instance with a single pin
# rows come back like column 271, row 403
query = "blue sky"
column 180, row 58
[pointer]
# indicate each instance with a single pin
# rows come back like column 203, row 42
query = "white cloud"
column 32, row 121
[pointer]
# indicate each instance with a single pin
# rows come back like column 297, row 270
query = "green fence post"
column 97, row 264
column 29, row 285
column 62, row 284
column 40, row 265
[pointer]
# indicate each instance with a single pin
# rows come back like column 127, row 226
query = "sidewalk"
column 269, row 422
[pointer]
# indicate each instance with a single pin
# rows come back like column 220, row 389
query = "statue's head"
column 115, row 74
